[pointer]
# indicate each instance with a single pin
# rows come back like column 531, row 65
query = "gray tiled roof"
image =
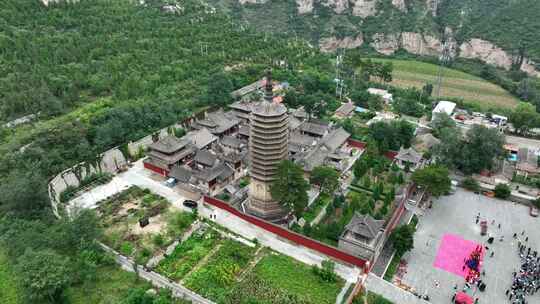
column 314, row 128
column 232, row 142
column 181, row 174
column 205, row 157
column 409, row 155
column 244, row 130
column 346, row 109
column 336, row 139
column 201, row 138
column 364, row 225
column 221, row 171
column 169, row 144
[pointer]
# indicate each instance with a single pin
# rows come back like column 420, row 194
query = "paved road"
column 392, row 292
column 456, row 214
column 158, row 280
column 134, row 176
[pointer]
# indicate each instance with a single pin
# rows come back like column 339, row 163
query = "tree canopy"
column 473, row 153
column 290, row 188
column 435, row 178
column 392, row 135
column 524, row 117
column 326, row 178
column 402, row 238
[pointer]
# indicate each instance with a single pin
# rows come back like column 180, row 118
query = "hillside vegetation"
column 455, row 84
column 512, row 25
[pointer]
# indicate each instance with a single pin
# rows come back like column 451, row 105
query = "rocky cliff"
column 498, row 32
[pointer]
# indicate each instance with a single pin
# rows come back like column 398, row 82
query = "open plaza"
column 449, row 232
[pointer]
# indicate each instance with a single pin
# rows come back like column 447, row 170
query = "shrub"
column 158, row 240
column 502, row 191
column 326, row 272
column 126, row 248
column 471, row 184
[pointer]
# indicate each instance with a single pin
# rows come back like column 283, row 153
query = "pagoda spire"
column 269, row 88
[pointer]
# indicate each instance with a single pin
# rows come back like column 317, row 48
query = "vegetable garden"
column 227, row 271
column 120, row 216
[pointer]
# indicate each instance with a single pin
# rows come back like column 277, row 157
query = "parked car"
column 534, row 211
column 190, row 204
column 171, row 182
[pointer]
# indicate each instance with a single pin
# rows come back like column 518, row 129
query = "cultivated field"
column 456, row 84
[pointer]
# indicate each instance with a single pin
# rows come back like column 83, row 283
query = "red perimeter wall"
column 362, row 145
column 291, row 236
column 157, row 170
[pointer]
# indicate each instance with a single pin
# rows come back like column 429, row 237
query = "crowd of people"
column 526, row 281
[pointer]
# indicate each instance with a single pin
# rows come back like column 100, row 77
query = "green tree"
column 44, row 274
column 402, row 239
column 471, row 184
column 427, row 89
column 480, row 150
column 326, row 177
column 502, row 191
column 524, row 117
column 440, row 122
column 219, row 89
column 290, row 188
column 435, row 178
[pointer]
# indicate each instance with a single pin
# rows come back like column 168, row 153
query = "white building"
column 387, row 97
column 444, row 107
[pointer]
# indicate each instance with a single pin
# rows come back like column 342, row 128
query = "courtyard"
column 447, row 233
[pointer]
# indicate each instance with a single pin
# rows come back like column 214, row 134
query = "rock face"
column 385, row 44
column 339, row 6
column 416, row 43
column 400, row 5
column 364, row 8
column 486, row 52
column 331, row 44
column 529, row 67
column 304, row 6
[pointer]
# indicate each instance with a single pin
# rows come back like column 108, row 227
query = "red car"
column 534, row 212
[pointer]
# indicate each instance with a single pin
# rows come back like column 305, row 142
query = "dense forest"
column 99, row 73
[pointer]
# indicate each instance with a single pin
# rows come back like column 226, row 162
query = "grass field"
column 9, row 291
column 111, row 285
column 456, row 84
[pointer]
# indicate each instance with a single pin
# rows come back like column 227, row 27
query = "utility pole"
column 443, row 60
column 338, row 80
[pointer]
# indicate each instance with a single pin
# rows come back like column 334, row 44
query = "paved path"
column 392, row 292
column 339, row 298
column 158, row 280
column 456, row 214
column 137, row 175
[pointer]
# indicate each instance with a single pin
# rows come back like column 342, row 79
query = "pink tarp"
column 452, row 253
column 463, row 298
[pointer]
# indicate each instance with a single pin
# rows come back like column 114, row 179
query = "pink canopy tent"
column 463, row 298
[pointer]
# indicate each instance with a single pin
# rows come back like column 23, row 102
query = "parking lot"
column 137, row 175
column 456, row 214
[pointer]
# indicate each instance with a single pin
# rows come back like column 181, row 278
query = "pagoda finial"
column 269, row 88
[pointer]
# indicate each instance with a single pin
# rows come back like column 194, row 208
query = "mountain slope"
column 499, row 32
